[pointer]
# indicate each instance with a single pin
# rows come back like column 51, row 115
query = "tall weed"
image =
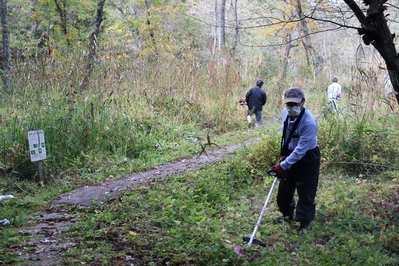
column 125, row 113
column 264, row 155
column 359, row 140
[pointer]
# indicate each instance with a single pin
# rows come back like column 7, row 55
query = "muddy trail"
column 47, row 243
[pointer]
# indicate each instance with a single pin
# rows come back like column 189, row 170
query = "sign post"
column 37, row 149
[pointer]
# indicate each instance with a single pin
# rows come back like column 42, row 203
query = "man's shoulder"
column 309, row 117
column 257, row 89
column 336, row 84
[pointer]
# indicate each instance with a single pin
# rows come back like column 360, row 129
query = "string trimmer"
column 251, row 239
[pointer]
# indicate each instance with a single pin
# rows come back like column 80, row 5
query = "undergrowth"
column 200, row 217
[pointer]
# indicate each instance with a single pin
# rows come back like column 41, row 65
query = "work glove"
column 278, row 169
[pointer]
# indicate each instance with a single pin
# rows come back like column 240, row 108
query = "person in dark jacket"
column 300, row 161
column 256, row 98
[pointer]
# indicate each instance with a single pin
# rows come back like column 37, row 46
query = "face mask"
column 293, row 110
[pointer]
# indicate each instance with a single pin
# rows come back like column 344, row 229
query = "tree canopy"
column 319, row 36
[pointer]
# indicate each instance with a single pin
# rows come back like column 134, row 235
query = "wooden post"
column 39, row 170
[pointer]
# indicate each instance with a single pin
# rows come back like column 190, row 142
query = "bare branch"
column 294, row 39
column 332, row 22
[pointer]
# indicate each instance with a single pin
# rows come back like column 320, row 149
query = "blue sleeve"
column 307, row 141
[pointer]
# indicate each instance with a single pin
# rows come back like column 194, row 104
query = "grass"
column 200, row 217
column 197, row 218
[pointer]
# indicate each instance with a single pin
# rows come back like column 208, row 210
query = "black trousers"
column 303, row 177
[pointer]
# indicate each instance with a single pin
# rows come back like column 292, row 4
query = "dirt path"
column 47, row 242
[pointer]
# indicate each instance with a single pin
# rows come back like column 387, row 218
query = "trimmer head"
column 254, row 241
column 253, row 254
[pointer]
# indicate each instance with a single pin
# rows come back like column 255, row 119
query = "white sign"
column 37, row 147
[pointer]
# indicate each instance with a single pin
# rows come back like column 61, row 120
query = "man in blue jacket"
column 256, row 98
column 300, row 161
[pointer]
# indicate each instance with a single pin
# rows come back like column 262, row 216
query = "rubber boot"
column 249, row 119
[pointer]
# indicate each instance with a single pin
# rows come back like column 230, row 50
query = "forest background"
column 171, row 60
column 161, row 76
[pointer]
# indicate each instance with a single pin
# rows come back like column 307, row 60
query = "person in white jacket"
column 334, row 94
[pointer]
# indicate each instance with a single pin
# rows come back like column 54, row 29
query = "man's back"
column 256, row 97
column 333, row 90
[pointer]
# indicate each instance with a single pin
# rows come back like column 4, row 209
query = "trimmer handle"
column 271, row 172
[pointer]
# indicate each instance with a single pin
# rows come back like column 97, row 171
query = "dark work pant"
column 258, row 114
column 303, row 177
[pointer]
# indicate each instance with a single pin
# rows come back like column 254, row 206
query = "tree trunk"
column 6, row 62
column 235, row 40
column 375, row 31
column 288, row 46
column 223, row 24
column 312, row 56
column 215, row 40
column 151, row 32
column 93, row 45
column 62, row 11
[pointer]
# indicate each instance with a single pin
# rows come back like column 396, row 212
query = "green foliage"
column 266, row 153
column 88, row 133
column 176, row 222
column 155, row 93
column 356, row 143
column 200, row 217
column 73, row 132
column 37, row 28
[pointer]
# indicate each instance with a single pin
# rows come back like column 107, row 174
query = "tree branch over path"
column 331, row 22
column 375, row 31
